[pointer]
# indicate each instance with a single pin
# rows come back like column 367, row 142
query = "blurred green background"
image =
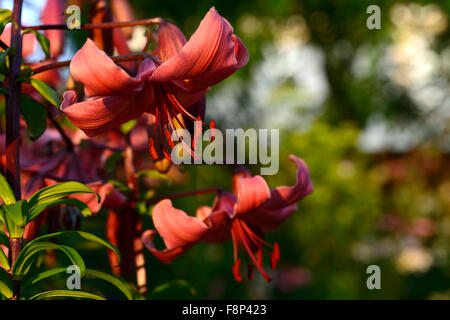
column 368, row 110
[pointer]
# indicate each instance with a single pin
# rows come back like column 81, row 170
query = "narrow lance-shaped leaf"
column 35, row 116
column 118, row 283
column 66, row 294
column 41, row 276
column 14, row 216
column 4, row 260
column 42, row 40
column 46, row 91
column 4, row 239
column 50, row 194
column 6, row 192
column 80, row 234
column 90, row 274
column 5, row 284
column 4, row 62
column 32, row 250
column 84, row 209
column 5, row 17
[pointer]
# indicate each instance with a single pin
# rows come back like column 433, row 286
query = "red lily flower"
column 244, row 217
column 164, row 88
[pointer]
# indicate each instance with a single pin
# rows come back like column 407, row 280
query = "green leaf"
column 32, row 250
column 5, row 284
column 4, row 91
column 25, row 74
column 127, row 126
column 65, row 294
column 35, row 116
column 41, row 276
column 46, row 91
column 4, row 260
column 5, row 17
column 180, row 289
column 152, row 174
column 5, row 14
column 78, row 234
column 118, row 283
column 6, row 193
column 84, row 209
column 4, row 239
column 42, row 40
column 90, row 274
column 4, row 62
column 14, row 216
column 41, row 198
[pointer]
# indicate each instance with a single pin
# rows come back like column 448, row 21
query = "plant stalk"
column 13, row 127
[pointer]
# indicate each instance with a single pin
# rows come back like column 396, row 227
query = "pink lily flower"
column 48, row 155
column 243, row 216
column 29, row 40
column 53, row 13
column 163, row 87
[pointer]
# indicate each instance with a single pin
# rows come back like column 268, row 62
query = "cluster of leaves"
column 15, row 215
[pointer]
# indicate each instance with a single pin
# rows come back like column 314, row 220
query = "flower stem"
column 15, row 245
column 125, row 58
column 13, row 126
column 104, row 25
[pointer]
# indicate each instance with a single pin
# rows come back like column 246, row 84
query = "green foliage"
column 5, row 284
column 6, row 193
column 4, row 62
column 55, row 294
column 115, row 281
column 84, row 209
column 175, row 288
column 80, row 235
column 4, row 260
column 35, row 116
column 33, row 279
column 52, row 195
column 4, row 239
column 42, row 40
column 32, row 250
column 14, row 216
column 46, row 91
column 152, row 174
column 5, row 18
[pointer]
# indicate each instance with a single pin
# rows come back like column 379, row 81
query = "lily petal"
column 225, row 201
column 170, row 40
column 269, row 220
column 251, row 194
column 210, row 55
column 282, row 199
column 99, row 74
column 285, row 195
column 29, row 40
column 219, row 227
column 97, row 115
column 166, row 255
column 53, row 13
column 175, row 227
